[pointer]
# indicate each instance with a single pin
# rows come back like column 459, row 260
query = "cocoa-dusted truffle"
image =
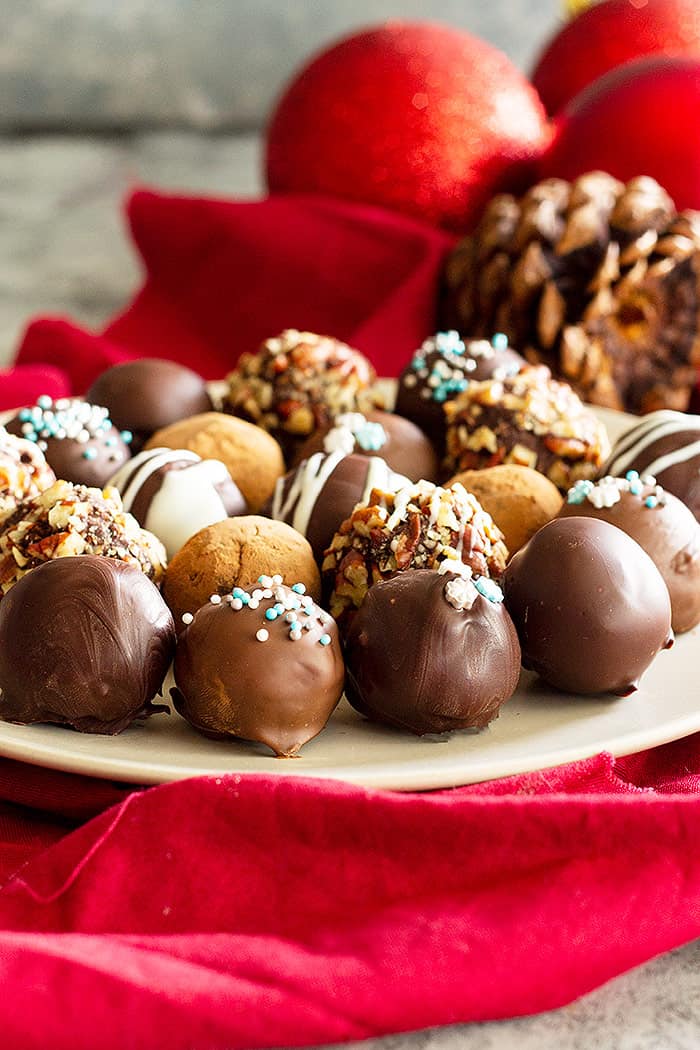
column 417, row 527
column 263, row 664
column 659, row 522
column 667, row 445
column 24, row 471
column 442, row 368
column 529, row 419
column 400, row 443
column 84, row 642
column 144, row 395
column 174, row 493
column 78, row 439
column 252, row 458
column 234, row 553
column 590, row 607
column 297, row 382
column 431, row 653
column 319, row 494
column 66, row 520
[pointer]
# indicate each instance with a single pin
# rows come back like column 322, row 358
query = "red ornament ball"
column 607, row 35
column 417, row 117
column 640, row 119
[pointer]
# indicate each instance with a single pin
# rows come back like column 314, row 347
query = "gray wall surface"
column 215, row 64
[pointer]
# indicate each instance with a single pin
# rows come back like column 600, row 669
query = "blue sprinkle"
column 298, row 588
column 417, row 363
column 25, row 415
column 632, row 475
column 578, row 493
column 278, row 608
column 500, row 341
column 651, row 502
column 325, row 639
column 90, row 453
column 237, row 592
column 126, row 435
column 271, row 614
column 488, row 588
column 44, row 401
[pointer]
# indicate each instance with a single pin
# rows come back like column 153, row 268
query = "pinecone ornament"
column 597, row 279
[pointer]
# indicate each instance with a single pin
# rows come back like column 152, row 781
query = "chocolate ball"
column 441, row 370
column 144, row 395
column 666, row 445
column 321, row 492
column 400, row 443
column 590, row 607
column 261, row 665
column 431, row 653
column 78, row 439
column 660, row 523
column 175, row 493
column 84, row 642
column 24, row 472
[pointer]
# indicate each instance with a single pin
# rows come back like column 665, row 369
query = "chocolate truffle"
column 529, row 419
column 319, row 494
column 590, row 607
column 145, row 395
column 417, row 527
column 174, row 494
column 431, row 653
column 78, row 439
column 84, row 642
column 66, row 520
column 441, row 370
column 400, row 443
column 519, row 499
column 252, row 458
column 262, row 665
column 234, row 553
column 666, row 445
column 659, row 522
column 297, row 382
column 24, row 472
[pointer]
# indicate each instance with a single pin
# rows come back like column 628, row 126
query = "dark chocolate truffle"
column 590, row 607
column 431, row 653
column 144, row 395
column 78, row 439
column 441, row 370
column 262, row 665
column 175, row 493
column 84, row 642
column 400, row 443
column 321, row 492
column 666, row 445
column 659, row 522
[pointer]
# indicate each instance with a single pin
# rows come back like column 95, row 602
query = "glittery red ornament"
column 417, row 117
column 640, row 119
column 609, row 34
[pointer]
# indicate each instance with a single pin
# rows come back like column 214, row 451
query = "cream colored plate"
column 538, row 728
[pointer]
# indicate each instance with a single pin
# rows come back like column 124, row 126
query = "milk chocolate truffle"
column 666, row 445
column 417, row 527
column 590, row 607
column 234, row 553
column 297, row 382
column 659, row 522
column 252, row 458
column 84, row 642
column 262, row 665
column 441, row 370
column 174, row 493
column 145, row 395
column 24, row 471
column 519, row 499
column 400, row 443
column 528, row 419
column 319, row 494
column 78, row 439
column 66, row 520
column 432, row 653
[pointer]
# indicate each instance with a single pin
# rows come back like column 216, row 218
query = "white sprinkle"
column 187, row 618
column 215, row 599
column 253, row 603
column 257, row 594
column 277, row 579
column 262, row 635
column 236, row 604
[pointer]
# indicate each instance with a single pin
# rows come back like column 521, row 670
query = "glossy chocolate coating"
column 416, row 662
column 278, row 691
column 147, row 394
column 668, row 532
column 402, row 445
column 84, row 642
column 590, row 607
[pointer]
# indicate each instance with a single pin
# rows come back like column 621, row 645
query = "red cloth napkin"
column 259, row 911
